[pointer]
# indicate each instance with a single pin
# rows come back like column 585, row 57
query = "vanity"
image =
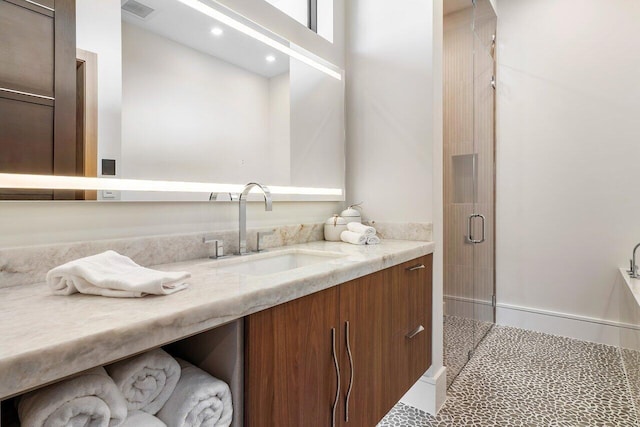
column 338, row 341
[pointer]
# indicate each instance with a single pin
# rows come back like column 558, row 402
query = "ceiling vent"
column 138, row 9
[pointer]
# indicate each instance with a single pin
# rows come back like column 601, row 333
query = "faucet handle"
column 261, row 234
column 218, row 247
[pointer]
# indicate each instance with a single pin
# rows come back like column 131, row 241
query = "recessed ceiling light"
column 245, row 29
column 217, row 31
column 270, row 58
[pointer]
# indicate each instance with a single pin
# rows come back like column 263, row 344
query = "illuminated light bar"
column 54, row 182
column 219, row 16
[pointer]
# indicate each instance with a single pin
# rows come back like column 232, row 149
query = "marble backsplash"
column 417, row 231
column 27, row 265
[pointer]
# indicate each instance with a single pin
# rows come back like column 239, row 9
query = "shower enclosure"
column 469, row 184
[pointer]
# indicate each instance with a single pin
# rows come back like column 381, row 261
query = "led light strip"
column 54, row 182
column 219, row 16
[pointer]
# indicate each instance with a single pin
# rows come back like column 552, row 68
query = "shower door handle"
column 470, row 228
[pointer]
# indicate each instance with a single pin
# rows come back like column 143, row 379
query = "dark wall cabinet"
column 343, row 356
column 37, row 91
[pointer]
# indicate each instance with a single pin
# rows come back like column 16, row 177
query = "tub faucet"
column 634, row 267
column 242, row 217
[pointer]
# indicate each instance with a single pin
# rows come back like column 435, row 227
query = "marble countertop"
column 45, row 338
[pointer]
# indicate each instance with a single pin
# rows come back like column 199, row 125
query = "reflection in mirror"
column 205, row 102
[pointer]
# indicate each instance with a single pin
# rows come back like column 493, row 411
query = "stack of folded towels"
column 359, row 234
column 149, row 390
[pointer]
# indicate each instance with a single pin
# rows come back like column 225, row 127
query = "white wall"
column 389, row 109
column 317, row 128
column 568, row 156
column 188, row 116
column 280, row 127
column 394, row 133
column 98, row 31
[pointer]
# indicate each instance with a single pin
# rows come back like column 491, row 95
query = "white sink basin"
column 270, row 263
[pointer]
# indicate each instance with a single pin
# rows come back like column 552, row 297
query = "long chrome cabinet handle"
column 415, row 267
column 352, row 366
column 335, row 362
column 415, row 332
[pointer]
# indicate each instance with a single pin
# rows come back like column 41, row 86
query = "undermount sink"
column 277, row 262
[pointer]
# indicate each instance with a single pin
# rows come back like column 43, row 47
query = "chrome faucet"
column 242, row 217
column 633, row 273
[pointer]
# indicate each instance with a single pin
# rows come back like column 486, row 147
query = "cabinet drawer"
column 26, row 129
column 27, row 50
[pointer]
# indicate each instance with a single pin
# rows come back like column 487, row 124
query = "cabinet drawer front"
column 25, row 129
column 417, row 278
column 27, row 50
column 290, row 370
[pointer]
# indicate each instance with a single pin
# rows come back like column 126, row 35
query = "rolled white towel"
column 89, row 399
column 373, row 240
column 142, row 419
column 198, row 400
column 356, row 227
column 353, row 238
column 113, row 275
column 147, row 380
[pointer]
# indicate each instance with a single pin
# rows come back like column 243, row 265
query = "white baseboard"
column 563, row 324
column 429, row 393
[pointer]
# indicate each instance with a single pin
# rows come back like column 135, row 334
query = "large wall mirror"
column 209, row 97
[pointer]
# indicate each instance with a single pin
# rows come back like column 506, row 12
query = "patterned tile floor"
column 523, row 378
column 459, row 334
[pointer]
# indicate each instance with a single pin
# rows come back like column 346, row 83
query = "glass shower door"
column 460, row 188
column 469, row 191
column 482, row 221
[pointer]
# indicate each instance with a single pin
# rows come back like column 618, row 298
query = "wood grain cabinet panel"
column 290, row 374
column 38, row 92
column 27, row 50
column 290, row 377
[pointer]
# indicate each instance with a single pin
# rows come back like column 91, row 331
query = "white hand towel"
column 356, row 227
column 90, row 399
column 113, row 275
column 353, row 238
column 147, row 380
column 373, row 240
column 199, row 400
column 142, row 419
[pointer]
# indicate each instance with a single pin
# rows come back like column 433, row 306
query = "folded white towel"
column 373, row 240
column 113, row 275
column 89, row 399
column 353, row 238
column 147, row 380
column 198, row 400
column 356, row 227
column 142, row 419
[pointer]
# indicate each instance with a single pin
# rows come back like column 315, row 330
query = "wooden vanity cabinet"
column 291, row 377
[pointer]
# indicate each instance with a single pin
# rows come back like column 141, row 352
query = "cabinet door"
column 367, row 309
column 290, row 373
column 416, row 278
column 37, row 92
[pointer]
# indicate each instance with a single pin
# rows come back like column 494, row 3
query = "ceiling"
column 451, row 6
column 182, row 24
